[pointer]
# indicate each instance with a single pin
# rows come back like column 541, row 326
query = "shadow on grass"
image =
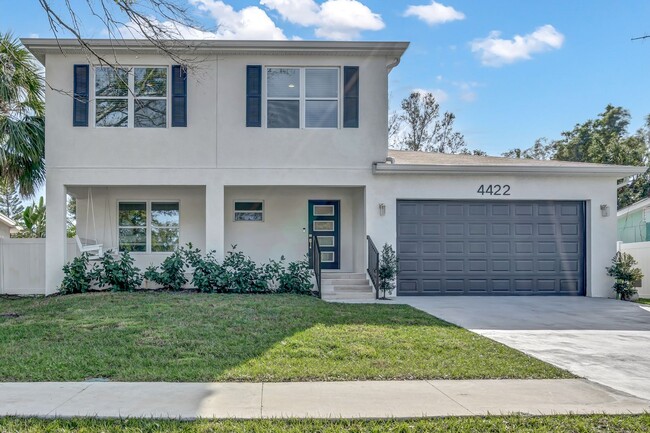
column 195, row 337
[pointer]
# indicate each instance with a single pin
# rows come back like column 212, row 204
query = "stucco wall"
column 284, row 230
column 4, row 231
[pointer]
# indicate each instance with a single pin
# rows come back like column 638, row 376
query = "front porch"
column 265, row 222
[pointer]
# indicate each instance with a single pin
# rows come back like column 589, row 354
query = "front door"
column 324, row 221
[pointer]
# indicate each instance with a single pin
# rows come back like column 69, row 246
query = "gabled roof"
column 39, row 47
column 634, row 207
column 422, row 162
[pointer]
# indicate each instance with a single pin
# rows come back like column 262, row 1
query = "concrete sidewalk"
column 398, row 399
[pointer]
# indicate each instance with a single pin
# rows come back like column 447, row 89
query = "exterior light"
column 382, row 209
column 604, row 210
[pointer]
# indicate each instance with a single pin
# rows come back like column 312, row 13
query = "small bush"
column 172, row 271
column 387, row 269
column 119, row 275
column 243, row 275
column 625, row 274
column 296, row 278
column 77, row 278
column 208, row 275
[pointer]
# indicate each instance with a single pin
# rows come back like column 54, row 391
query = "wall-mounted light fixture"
column 382, row 209
column 604, row 210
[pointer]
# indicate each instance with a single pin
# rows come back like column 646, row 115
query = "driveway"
column 603, row 340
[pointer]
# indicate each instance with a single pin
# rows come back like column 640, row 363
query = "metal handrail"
column 316, row 262
column 373, row 265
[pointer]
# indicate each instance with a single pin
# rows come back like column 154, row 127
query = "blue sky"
column 569, row 58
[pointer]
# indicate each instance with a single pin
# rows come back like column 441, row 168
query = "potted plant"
column 625, row 274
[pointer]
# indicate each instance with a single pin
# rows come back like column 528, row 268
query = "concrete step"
column 347, row 289
column 347, row 296
column 345, row 282
column 342, row 275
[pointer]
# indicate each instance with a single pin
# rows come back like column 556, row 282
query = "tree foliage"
column 10, row 203
column 424, row 128
column 22, row 127
column 33, row 221
column 604, row 140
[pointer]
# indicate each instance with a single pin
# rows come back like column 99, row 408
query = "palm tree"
column 22, row 125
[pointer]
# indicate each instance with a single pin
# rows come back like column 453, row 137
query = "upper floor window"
column 134, row 97
column 302, row 97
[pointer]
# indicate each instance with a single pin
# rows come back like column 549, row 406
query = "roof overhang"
column 4, row 219
column 41, row 47
column 588, row 170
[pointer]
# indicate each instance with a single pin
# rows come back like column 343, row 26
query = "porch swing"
column 88, row 245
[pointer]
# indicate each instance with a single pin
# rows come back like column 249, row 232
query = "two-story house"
column 261, row 143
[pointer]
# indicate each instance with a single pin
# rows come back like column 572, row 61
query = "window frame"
column 131, row 96
column 303, row 96
column 148, row 226
column 235, row 211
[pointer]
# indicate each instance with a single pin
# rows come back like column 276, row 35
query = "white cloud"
column 333, row 19
column 435, row 13
column 467, row 92
column 248, row 23
column 495, row 51
column 172, row 31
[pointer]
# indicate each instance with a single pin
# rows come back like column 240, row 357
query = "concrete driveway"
column 603, row 340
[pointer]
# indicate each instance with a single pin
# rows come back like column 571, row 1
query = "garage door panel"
column 483, row 248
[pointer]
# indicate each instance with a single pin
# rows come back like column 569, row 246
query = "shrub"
column 387, row 269
column 172, row 271
column 243, row 275
column 296, row 278
column 625, row 274
column 208, row 275
column 119, row 275
column 77, row 278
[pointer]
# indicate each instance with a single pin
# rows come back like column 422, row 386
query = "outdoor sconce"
column 382, row 209
column 604, row 210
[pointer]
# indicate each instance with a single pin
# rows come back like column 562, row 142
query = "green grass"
column 493, row 424
column 643, row 301
column 189, row 337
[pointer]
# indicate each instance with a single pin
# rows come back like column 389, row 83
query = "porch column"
column 214, row 219
column 55, row 241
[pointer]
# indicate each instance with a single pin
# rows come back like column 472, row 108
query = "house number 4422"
column 493, row 189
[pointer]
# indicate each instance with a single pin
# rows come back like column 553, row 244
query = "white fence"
column 22, row 265
column 641, row 252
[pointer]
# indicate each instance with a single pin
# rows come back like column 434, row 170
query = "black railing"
column 373, row 265
column 314, row 252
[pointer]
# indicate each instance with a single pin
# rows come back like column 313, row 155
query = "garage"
column 498, row 247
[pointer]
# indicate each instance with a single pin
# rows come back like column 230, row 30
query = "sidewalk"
column 400, row 399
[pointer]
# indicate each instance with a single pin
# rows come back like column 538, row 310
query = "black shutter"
column 80, row 94
column 351, row 97
column 179, row 96
column 253, row 96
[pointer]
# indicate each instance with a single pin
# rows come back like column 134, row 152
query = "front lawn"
column 494, row 424
column 191, row 337
column 643, row 301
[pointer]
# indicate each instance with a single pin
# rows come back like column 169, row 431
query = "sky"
column 511, row 71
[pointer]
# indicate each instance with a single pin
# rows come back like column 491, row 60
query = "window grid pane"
column 321, row 83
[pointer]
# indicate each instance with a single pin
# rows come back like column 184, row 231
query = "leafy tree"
column 542, row 149
column 10, row 203
column 33, row 221
column 71, row 217
column 425, row 128
column 387, row 270
column 625, row 274
column 22, row 132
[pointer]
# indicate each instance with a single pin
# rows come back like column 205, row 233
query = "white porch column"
column 214, row 219
column 55, row 241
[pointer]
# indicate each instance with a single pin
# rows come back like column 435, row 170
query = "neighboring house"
column 7, row 226
column 634, row 222
column 261, row 144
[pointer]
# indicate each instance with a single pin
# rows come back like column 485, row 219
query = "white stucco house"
column 7, row 226
column 261, row 144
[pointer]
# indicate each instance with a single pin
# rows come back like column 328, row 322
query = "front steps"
column 346, row 286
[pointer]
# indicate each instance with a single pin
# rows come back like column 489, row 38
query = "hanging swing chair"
column 88, row 245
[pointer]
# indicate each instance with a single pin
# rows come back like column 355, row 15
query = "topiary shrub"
column 77, row 278
column 118, row 274
column 387, row 270
column 625, row 275
column 171, row 273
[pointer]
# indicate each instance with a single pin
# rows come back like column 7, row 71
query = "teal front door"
column 324, row 223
